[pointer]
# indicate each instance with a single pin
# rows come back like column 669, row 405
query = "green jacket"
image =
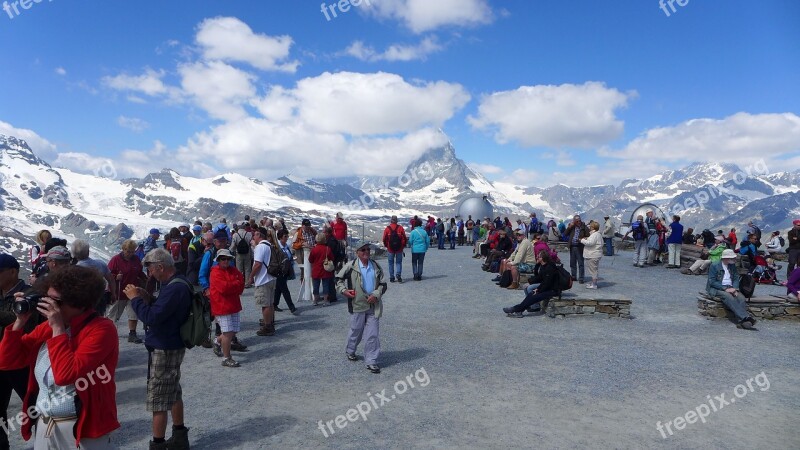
column 349, row 277
column 715, row 253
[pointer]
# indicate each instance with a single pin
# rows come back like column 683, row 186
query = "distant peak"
column 19, row 149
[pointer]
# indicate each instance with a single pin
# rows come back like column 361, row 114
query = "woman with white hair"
column 80, row 251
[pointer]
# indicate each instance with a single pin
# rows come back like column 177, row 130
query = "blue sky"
column 530, row 92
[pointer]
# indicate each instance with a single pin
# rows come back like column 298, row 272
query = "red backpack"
column 176, row 250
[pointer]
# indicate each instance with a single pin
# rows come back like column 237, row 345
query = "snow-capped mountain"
column 34, row 195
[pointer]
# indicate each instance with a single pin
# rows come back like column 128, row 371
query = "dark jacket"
column 165, row 315
column 7, row 316
column 505, row 245
column 549, row 277
column 794, row 239
column 582, row 233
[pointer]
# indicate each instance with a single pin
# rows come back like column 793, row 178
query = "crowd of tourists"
column 59, row 348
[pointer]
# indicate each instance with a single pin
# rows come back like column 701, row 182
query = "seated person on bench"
column 723, row 282
column 545, row 291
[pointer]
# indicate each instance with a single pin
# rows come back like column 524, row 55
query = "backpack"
column 780, row 239
column 395, row 243
column 243, row 246
column 708, row 236
column 139, row 251
column 279, row 264
column 747, row 285
column 639, row 231
column 176, row 250
column 564, row 280
column 198, row 325
column 440, row 227
column 505, row 279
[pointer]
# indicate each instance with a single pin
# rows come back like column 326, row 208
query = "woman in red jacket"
column 317, row 258
column 226, row 285
column 71, row 395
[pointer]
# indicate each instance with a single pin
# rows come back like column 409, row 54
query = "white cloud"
column 742, row 138
column 41, row 147
column 230, row 39
column 218, row 88
column 425, row 15
column 149, row 83
column 61, row 71
column 134, row 163
column 483, row 169
column 569, row 115
column 396, row 52
column 374, row 103
column 609, row 172
column 132, row 123
column 562, row 157
column 264, row 149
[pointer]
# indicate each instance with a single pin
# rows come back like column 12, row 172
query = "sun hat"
column 59, row 253
column 728, row 254
column 223, row 253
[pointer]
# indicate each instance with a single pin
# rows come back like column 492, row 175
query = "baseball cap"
column 728, row 254
column 59, row 253
column 197, row 228
column 220, row 235
column 339, row 215
column 154, row 231
column 796, row 222
column 365, row 244
column 8, row 262
column 394, row 219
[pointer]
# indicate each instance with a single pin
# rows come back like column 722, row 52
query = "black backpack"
column 243, row 246
column 395, row 243
column 747, row 285
column 780, row 239
column 708, row 236
column 564, row 279
column 639, row 231
column 505, row 279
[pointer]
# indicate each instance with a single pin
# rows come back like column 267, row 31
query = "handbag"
column 327, row 264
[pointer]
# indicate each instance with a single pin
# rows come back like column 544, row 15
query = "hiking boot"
column 374, row 368
column 158, row 446
column 133, row 338
column 229, row 362
column 687, row 272
column 218, row 349
column 391, row 280
column 513, row 285
column 238, row 346
column 515, row 315
column 278, row 309
column 352, row 357
column 747, row 323
column 266, row 330
column 399, row 279
column 179, row 439
column 294, row 311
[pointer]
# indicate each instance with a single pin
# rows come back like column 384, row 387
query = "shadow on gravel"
column 131, row 431
column 263, row 353
column 131, row 372
column 426, row 277
column 134, row 394
column 249, row 430
column 390, row 358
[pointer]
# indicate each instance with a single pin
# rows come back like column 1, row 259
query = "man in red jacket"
column 339, row 227
column 394, row 239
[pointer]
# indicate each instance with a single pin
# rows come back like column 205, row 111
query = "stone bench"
column 767, row 307
column 572, row 305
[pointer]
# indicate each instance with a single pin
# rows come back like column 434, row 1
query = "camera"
column 28, row 303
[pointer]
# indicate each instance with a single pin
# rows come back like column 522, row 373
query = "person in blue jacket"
column 420, row 242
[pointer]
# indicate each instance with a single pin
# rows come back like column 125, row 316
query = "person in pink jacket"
column 224, row 292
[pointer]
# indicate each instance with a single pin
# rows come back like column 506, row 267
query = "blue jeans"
column 576, row 261
column 395, row 258
column 440, row 237
column 609, row 246
column 452, row 240
column 417, row 260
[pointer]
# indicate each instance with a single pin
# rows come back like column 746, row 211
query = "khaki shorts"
column 265, row 294
column 164, row 385
column 301, row 255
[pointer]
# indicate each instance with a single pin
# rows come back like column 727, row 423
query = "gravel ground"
column 482, row 380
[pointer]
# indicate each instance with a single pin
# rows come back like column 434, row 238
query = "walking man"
column 394, row 239
column 361, row 281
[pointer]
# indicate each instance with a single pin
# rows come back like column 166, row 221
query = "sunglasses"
column 224, row 259
column 364, row 250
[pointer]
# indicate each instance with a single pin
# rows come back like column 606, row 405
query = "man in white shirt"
column 264, row 282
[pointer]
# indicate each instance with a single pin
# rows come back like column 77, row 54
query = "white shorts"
column 229, row 323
